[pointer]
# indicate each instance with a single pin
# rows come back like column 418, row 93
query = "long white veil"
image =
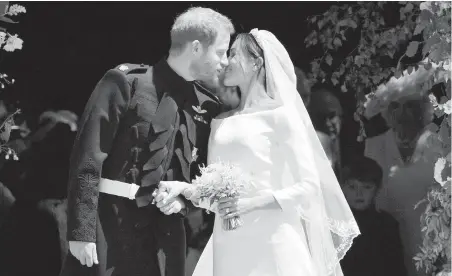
column 328, row 221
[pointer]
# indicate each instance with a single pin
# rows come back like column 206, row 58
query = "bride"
column 297, row 221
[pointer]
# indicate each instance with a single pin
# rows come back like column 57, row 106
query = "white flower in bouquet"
column 221, row 180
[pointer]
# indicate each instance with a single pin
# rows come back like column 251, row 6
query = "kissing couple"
column 147, row 127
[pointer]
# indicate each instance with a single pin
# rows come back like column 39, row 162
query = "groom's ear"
column 196, row 47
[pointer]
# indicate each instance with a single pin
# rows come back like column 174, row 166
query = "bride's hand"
column 169, row 190
column 231, row 207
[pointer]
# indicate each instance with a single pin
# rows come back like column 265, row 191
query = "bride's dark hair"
column 252, row 48
column 250, row 45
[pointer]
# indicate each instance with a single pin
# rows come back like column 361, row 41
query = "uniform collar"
column 180, row 89
column 203, row 89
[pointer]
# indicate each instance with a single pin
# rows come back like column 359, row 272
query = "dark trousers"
column 134, row 241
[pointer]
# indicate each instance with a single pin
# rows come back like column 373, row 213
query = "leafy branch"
column 415, row 48
column 9, row 43
column 9, row 119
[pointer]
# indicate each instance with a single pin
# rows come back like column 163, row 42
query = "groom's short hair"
column 198, row 23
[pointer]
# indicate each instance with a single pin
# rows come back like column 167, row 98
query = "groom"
column 142, row 125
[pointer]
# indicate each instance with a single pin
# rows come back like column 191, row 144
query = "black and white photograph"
column 225, row 138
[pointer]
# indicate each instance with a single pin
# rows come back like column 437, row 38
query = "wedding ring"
column 227, row 210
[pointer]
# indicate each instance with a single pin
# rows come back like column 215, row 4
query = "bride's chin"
column 228, row 82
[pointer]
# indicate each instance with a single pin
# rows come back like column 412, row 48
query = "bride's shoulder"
column 279, row 114
column 278, row 118
column 286, row 122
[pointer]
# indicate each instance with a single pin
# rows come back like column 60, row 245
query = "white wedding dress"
column 275, row 144
column 271, row 242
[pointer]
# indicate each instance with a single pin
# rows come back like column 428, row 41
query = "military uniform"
column 141, row 125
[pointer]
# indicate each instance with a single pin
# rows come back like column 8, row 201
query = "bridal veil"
column 327, row 219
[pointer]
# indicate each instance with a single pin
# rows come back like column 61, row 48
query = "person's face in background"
column 326, row 112
column 408, row 117
column 329, row 123
column 333, row 123
column 360, row 195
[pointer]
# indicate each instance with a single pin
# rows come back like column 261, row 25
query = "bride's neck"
column 249, row 89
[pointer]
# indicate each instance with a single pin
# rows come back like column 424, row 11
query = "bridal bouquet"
column 217, row 181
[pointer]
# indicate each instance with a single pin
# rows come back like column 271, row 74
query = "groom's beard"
column 213, row 84
column 205, row 72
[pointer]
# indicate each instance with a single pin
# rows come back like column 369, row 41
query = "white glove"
column 85, row 252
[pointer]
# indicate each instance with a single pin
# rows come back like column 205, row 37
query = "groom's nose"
column 224, row 61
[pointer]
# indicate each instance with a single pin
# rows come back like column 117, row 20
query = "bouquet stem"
column 232, row 223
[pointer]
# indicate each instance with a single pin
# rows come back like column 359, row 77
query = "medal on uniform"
column 198, row 116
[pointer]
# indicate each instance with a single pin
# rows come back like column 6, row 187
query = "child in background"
column 378, row 250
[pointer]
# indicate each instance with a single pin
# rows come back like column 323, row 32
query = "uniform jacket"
column 142, row 124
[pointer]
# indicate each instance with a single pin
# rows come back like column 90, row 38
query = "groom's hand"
column 160, row 195
column 172, row 206
column 85, row 252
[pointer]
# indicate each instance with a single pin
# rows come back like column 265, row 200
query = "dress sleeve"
column 97, row 131
column 295, row 147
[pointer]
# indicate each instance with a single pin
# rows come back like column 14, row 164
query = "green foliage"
column 435, row 250
column 378, row 51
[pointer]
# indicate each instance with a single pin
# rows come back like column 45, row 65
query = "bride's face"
column 241, row 66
